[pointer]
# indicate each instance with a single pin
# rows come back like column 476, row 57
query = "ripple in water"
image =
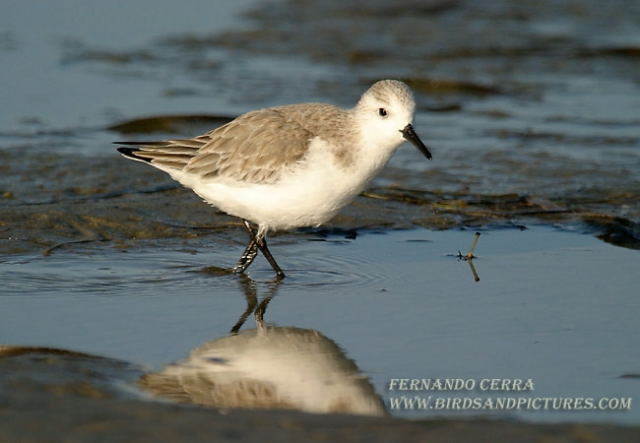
column 333, row 262
column 141, row 272
column 337, row 263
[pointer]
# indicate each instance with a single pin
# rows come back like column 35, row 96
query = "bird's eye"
column 382, row 112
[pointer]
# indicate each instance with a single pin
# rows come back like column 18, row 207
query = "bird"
column 270, row 367
column 289, row 166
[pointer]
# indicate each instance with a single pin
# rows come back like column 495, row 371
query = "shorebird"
column 288, row 166
column 270, row 367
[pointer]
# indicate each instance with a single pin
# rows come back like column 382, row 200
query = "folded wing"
column 257, row 147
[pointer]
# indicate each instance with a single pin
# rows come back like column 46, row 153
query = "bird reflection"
column 268, row 367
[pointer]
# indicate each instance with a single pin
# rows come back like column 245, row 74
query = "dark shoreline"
column 56, row 418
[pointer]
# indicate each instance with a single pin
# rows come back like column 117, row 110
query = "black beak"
column 410, row 135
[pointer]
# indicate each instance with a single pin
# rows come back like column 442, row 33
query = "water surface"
column 553, row 306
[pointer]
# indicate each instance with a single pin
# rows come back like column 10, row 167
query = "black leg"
column 262, row 244
column 249, row 228
column 247, row 256
column 257, row 241
column 249, row 253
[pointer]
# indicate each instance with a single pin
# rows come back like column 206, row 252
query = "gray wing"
column 255, row 147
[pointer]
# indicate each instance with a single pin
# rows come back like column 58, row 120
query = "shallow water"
column 538, row 130
column 554, row 306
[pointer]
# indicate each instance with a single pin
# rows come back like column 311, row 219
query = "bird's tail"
column 165, row 155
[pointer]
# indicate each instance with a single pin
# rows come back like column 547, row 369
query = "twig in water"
column 469, row 255
column 476, row 277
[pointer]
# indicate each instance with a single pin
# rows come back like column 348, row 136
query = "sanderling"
column 271, row 367
column 288, row 166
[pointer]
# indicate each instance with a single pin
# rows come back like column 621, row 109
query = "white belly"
column 304, row 201
column 308, row 196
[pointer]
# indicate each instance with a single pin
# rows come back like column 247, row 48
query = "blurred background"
column 531, row 110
